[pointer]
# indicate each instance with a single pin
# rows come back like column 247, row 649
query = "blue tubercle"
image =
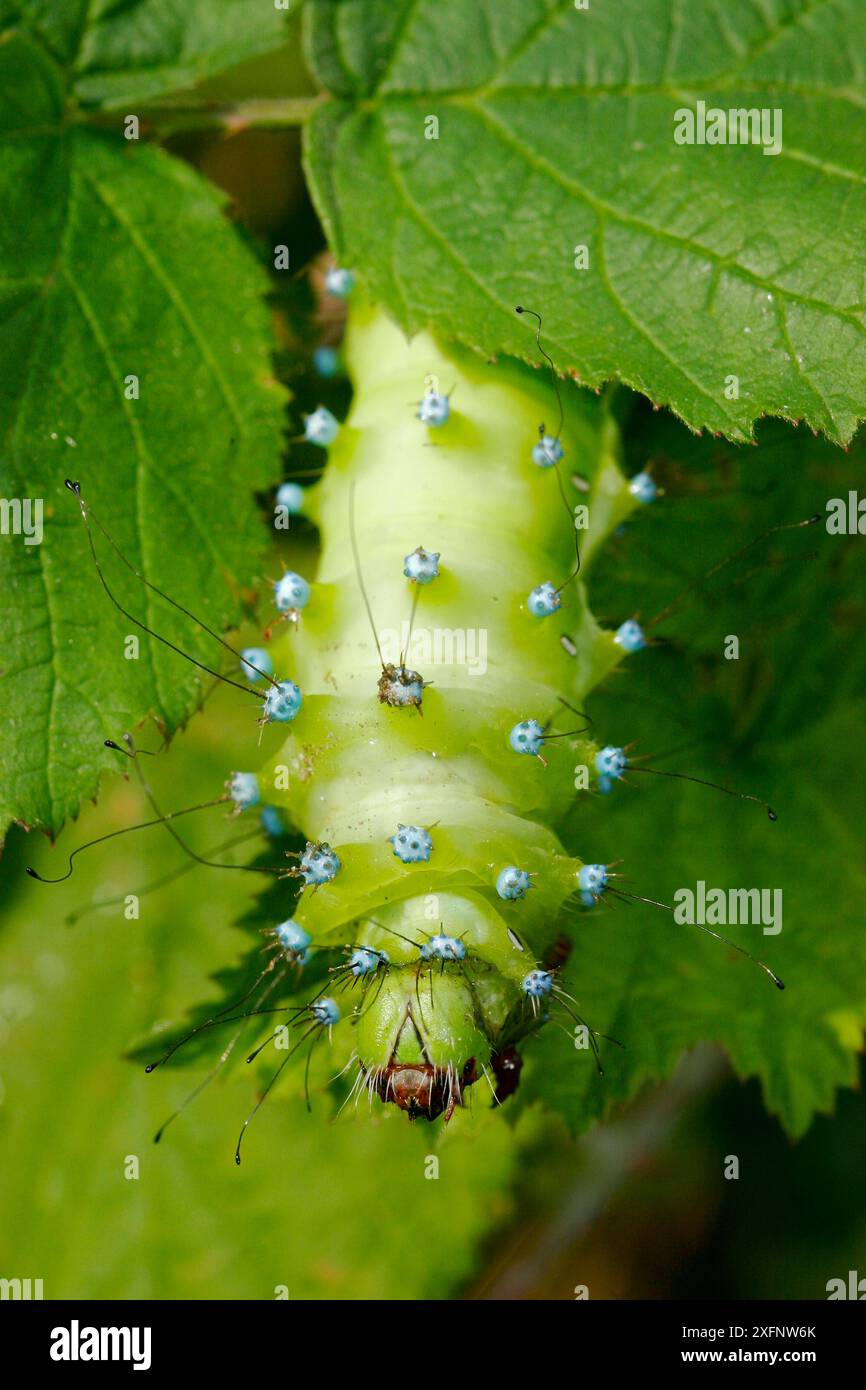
column 291, row 496
column 544, row 600
column 537, row 983
column 643, row 488
column 527, row 737
column 326, row 1012
column 513, row 883
column 272, row 822
column 611, row 762
column 256, row 664
column 412, row 844
column 293, row 940
column 319, row 864
column 366, row 961
column 321, row 427
column 339, row 282
column 434, row 408
column 282, row 702
column 291, row 592
column 547, row 452
column 326, row 360
column 421, row 566
column 400, row 686
column 442, row 947
column 244, row 790
column 592, row 879
column 630, row 636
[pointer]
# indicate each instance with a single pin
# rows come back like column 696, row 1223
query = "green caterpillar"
column 356, row 765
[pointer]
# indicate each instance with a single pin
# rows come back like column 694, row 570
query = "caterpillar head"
column 448, row 1010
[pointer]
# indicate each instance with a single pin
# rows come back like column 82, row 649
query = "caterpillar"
column 439, row 784
column 428, row 685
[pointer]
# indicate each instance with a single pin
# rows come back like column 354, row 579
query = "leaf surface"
column 722, row 281
column 134, row 357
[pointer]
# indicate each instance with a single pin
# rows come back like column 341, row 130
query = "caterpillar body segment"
column 354, row 768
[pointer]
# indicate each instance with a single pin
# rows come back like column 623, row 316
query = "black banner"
column 222, row 1339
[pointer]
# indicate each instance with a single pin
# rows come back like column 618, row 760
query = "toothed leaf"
column 555, row 131
column 118, row 54
column 134, row 350
column 768, row 723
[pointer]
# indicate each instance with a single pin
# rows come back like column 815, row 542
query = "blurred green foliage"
column 331, row 1210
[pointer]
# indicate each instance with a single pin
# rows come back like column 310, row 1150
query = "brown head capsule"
column 424, row 1091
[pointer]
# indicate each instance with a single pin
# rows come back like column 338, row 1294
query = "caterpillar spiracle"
column 428, row 689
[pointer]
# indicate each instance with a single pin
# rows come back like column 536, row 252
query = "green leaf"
column 116, row 263
column 241, row 987
column 781, row 721
column 117, row 54
column 556, row 130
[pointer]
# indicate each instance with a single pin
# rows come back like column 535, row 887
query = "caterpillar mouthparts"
column 422, row 1090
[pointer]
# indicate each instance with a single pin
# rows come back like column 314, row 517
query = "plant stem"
column 275, row 113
